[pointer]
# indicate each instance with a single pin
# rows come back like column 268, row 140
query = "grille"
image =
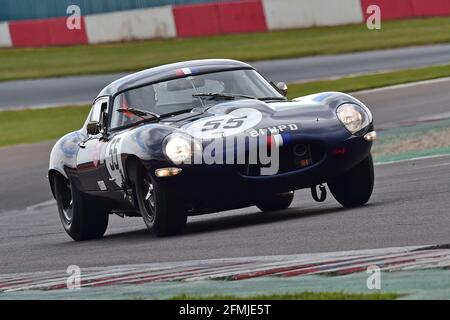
column 292, row 157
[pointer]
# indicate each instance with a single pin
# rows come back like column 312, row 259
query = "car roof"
column 171, row 71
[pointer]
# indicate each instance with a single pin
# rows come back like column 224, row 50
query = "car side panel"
column 63, row 157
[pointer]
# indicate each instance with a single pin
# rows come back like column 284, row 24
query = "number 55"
column 232, row 123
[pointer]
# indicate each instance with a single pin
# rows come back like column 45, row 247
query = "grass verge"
column 371, row 81
column 297, row 296
column 132, row 56
column 29, row 126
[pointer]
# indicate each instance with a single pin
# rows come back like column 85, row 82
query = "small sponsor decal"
column 102, row 185
column 183, row 72
column 273, row 130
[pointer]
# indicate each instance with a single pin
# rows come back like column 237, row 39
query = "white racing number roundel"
column 225, row 125
column 113, row 160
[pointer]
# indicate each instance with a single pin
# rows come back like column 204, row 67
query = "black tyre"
column 354, row 188
column 276, row 202
column 162, row 214
column 82, row 219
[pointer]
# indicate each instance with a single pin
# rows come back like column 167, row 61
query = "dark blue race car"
column 205, row 136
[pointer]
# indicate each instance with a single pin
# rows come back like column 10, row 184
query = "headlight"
column 181, row 148
column 354, row 117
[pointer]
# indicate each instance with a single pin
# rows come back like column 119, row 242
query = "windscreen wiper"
column 175, row 113
column 139, row 112
column 273, row 98
column 226, row 96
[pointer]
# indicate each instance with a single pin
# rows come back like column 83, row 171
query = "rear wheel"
column 162, row 213
column 354, row 188
column 82, row 218
column 279, row 201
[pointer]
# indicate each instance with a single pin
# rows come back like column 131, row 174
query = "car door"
column 88, row 158
column 111, row 163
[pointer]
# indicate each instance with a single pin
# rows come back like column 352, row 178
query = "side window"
column 97, row 109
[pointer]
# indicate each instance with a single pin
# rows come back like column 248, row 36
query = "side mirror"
column 283, row 88
column 93, row 128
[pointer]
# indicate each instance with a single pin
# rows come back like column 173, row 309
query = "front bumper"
column 226, row 183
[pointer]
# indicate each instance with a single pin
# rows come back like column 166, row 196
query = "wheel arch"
column 52, row 173
column 131, row 162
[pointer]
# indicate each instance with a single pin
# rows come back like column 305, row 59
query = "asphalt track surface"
column 410, row 206
column 83, row 89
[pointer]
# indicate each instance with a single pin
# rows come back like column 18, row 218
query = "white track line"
column 405, row 85
column 413, row 159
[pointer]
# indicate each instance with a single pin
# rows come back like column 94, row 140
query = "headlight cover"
column 354, row 117
column 180, row 148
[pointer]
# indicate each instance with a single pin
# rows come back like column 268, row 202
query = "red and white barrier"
column 219, row 18
column 288, row 14
column 390, row 10
column 48, row 32
column 431, row 8
column 204, row 19
column 131, row 25
column 401, row 9
column 5, row 37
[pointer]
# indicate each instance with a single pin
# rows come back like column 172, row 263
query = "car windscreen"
column 180, row 94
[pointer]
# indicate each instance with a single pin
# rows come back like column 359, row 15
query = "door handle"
column 82, row 144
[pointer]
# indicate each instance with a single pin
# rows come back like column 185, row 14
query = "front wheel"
column 163, row 215
column 82, row 218
column 354, row 188
column 279, row 201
